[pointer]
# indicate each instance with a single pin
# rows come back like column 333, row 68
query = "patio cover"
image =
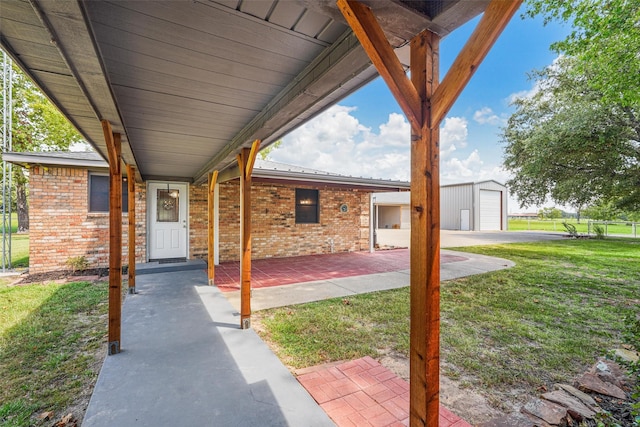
column 187, row 86
column 189, row 83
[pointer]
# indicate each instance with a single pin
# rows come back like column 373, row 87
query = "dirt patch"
column 62, row 276
column 464, row 402
column 73, row 414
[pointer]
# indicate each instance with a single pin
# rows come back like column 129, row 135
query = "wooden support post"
column 211, row 185
column 246, row 161
column 434, row 102
column 131, row 186
column 115, row 237
column 424, row 357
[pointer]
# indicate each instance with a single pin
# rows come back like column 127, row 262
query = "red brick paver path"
column 364, row 393
column 285, row 271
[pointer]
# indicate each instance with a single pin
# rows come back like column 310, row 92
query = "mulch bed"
column 63, row 276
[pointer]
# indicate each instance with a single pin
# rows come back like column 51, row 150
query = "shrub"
column 78, row 263
column 599, row 230
column 571, row 229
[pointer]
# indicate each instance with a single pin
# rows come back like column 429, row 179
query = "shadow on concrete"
column 186, row 362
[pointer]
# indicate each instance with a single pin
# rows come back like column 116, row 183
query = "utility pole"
column 7, row 124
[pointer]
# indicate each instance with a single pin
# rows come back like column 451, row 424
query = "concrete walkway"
column 185, row 362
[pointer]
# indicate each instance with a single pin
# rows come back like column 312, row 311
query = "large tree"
column 37, row 126
column 576, row 140
column 605, row 37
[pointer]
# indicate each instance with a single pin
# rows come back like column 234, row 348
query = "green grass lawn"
column 621, row 228
column 20, row 250
column 51, row 339
column 19, row 245
column 543, row 321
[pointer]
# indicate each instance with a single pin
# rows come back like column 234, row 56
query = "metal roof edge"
column 329, row 179
column 44, row 159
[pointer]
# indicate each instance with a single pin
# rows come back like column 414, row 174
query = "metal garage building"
column 473, row 206
column 470, row 206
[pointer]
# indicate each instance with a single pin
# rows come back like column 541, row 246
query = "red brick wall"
column 274, row 230
column 61, row 226
column 198, row 221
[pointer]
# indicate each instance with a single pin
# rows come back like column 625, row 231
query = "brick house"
column 295, row 211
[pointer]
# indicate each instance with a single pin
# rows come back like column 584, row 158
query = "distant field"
column 620, row 228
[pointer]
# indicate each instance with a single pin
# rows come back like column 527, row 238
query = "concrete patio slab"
column 185, row 362
column 465, row 264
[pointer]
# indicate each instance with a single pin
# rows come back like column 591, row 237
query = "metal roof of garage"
column 189, row 83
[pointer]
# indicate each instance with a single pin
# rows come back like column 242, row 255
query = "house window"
column 99, row 194
column 168, row 206
column 307, row 206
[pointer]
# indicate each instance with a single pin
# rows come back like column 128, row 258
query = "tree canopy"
column 577, row 139
column 605, row 37
column 37, row 125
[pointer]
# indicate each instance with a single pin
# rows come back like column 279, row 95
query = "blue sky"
column 367, row 135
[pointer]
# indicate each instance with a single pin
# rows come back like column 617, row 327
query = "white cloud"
column 80, row 146
column 336, row 141
column 523, row 94
column 485, row 116
column 453, row 135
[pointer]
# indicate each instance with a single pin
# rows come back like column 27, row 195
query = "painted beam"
column 229, row 174
column 211, row 186
column 493, row 22
column 131, row 187
column 366, row 28
column 113, row 143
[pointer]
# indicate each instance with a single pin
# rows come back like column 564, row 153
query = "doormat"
column 169, row 260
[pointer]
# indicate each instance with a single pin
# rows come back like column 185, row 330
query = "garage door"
column 490, row 210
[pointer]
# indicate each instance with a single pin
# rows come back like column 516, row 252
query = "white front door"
column 167, row 207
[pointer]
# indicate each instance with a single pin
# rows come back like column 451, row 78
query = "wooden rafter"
column 113, row 143
column 372, row 38
column 493, row 22
column 211, row 185
column 131, row 201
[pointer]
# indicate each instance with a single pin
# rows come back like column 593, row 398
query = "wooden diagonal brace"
column 372, row 38
column 495, row 19
column 255, row 147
